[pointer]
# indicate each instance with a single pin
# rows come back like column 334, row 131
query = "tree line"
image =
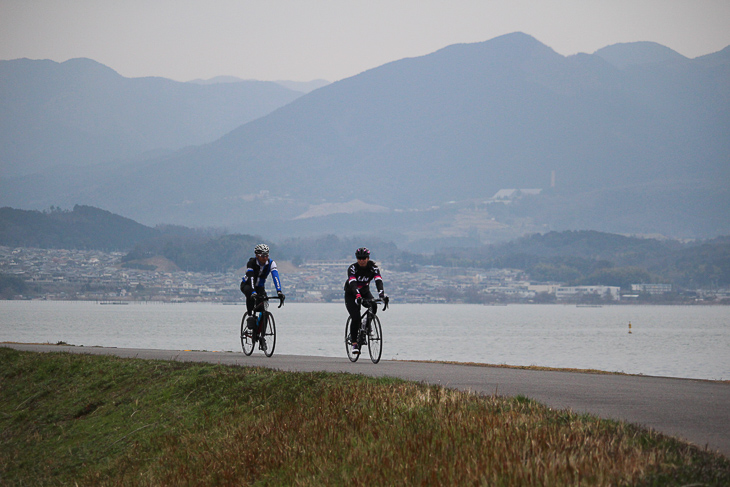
column 570, row 257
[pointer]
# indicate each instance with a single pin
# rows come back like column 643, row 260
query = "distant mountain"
column 428, row 141
column 637, row 53
column 302, row 86
column 216, row 80
column 80, row 112
column 716, row 60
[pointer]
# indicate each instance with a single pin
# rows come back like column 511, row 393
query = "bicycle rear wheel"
column 348, row 344
column 246, row 337
column 269, row 336
column 375, row 339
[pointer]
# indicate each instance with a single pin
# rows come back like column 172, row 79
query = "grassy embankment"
column 98, row 420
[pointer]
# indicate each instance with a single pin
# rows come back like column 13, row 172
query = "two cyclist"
column 357, row 290
column 258, row 269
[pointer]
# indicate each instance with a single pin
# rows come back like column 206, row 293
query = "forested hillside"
column 570, row 257
column 196, row 252
column 589, row 257
column 84, row 227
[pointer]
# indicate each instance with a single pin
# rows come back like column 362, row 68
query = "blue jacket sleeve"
column 275, row 278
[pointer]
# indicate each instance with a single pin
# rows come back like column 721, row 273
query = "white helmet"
column 261, row 249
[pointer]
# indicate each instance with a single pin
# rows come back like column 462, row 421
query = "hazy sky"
column 332, row 39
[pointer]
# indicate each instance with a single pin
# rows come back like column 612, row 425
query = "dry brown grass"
column 109, row 421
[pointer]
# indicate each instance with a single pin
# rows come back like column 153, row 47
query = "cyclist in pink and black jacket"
column 357, row 290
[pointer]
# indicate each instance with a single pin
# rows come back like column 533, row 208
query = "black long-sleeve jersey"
column 359, row 277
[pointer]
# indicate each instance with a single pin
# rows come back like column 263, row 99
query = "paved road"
column 695, row 410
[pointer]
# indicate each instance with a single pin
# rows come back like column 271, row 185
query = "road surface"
column 697, row 411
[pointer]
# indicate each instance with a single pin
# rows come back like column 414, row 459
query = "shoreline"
column 539, row 368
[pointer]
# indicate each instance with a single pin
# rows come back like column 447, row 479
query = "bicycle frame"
column 259, row 331
column 370, row 332
column 260, row 307
column 368, row 305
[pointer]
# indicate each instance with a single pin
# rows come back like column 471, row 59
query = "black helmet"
column 362, row 253
column 261, row 249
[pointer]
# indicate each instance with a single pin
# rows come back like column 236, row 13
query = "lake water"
column 670, row 341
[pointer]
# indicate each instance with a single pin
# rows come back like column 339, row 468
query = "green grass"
column 69, row 419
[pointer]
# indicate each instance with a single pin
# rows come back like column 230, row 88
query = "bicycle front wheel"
column 375, row 339
column 269, row 336
column 348, row 344
column 246, row 336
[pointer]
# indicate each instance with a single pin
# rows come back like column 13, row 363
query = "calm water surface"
column 671, row 341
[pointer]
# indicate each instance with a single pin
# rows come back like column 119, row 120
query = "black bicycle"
column 260, row 327
column 371, row 334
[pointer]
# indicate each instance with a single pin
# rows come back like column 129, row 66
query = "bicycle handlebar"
column 266, row 298
column 377, row 301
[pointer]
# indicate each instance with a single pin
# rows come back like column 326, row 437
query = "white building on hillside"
column 506, row 195
column 566, row 293
column 652, row 288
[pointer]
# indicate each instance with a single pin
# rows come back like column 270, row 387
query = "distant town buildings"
column 569, row 293
column 96, row 275
column 652, row 288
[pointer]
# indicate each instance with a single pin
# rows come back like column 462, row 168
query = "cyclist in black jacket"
column 357, row 289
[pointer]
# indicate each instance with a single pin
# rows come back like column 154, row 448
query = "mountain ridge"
column 625, row 54
column 458, row 124
column 302, row 86
column 80, row 112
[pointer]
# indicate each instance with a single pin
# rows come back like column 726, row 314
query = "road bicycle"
column 261, row 329
column 370, row 334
